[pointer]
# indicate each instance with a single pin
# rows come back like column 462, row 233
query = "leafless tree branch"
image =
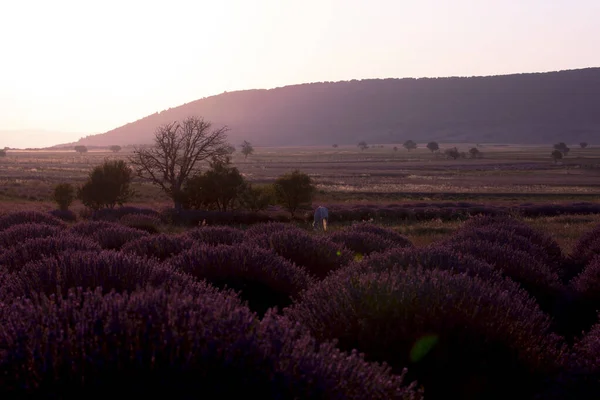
column 179, row 149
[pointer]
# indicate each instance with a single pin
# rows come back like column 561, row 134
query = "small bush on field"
column 219, row 187
column 36, row 249
column 497, row 341
column 108, row 185
column 29, row 217
column 17, row 234
column 318, row 255
column 142, row 222
column 108, row 270
column 161, row 247
column 265, row 279
column 216, row 235
column 257, row 197
column 294, row 190
column 64, row 195
column 155, row 343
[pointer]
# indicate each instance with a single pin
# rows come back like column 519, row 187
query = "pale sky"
column 82, row 67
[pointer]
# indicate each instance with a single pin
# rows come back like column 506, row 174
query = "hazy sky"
column 85, row 66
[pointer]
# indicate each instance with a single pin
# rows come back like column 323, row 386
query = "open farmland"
column 346, row 174
column 480, row 277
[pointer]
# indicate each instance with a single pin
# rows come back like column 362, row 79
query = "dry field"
column 346, row 175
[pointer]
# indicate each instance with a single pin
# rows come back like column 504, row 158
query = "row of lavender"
column 496, row 310
column 349, row 213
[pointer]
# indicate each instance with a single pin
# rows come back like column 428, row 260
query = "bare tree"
column 179, row 149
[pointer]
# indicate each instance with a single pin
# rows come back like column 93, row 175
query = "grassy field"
column 346, row 175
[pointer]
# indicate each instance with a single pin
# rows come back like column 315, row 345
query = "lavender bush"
column 216, row 235
column 109, row 270
column 64, row 215
column 497, row 342
column 36, row 249
column 506, row 238
column 153, row 343
column 161, row 247
column 431, row 257
column 264, row 279
column 147, row 223
column 538, row 279
column 17, row 234
column 115, row 237
column 89, row 228
column 271, row 228
column 28, row 217
column 317, row 254
column 384, row 233
column 587, row 247
column 584, row 291
column 361, row 243
column 515, row 227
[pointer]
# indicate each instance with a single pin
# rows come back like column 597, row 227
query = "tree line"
column 174, row 164
column 434, row 147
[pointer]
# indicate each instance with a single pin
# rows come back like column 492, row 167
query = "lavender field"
column 124, row 305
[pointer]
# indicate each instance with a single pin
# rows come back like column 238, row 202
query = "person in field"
column 321, row 217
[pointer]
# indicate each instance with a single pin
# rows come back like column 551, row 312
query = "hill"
column 529, row 108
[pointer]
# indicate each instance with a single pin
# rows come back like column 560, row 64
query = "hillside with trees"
column 532, row 108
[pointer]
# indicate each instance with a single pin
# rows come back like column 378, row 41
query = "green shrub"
column 64, row 194
column 107, row 186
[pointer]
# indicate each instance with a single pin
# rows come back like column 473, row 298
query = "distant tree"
column 115, row 149
column 2, row 153
column 363, row 145
column 562, row 147
column 218, row 188
column 395, row 148
column 247, row 149
column 6, row 148
column 294, row 190
column 335, row 146
column 475, row 153
column 107, row 185
column 583, row 145
column 557, row 155
column 452, row 153
column 80, row 149
column 409, row 145
column 257, row 198
column 177, row 153
column 433, row 146
column 63, row 195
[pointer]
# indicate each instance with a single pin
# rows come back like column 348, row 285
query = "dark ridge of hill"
column 529, row 108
